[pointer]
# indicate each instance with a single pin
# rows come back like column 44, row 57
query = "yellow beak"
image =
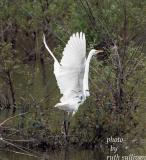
column 99, row 51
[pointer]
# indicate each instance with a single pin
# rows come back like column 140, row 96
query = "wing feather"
column 70, row 74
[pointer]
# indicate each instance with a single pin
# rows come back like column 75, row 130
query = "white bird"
column 72, row 72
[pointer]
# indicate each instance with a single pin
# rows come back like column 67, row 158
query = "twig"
column 19, row 140
column 27, row 154
column 2, row 123
column 9, row 143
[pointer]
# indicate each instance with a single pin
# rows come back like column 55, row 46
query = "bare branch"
column 8, row 119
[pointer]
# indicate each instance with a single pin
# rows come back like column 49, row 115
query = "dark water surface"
column 56, row 155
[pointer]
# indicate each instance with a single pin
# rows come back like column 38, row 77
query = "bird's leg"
column 65, row 124
column 68, row 122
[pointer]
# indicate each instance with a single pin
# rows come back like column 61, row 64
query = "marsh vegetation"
column 28, row 90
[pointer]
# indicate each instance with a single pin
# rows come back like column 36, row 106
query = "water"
column 55, row 155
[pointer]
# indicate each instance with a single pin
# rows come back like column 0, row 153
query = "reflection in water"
column 56, row 155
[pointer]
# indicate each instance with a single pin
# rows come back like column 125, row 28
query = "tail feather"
column 62, row 106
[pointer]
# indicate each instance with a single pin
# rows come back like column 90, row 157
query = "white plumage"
column 72, row 72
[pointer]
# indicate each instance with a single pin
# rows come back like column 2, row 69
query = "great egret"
column 72, row 72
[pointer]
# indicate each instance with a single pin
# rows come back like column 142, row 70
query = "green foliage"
column 117, row 84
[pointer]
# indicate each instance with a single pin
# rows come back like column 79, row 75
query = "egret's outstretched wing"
column 48, row 49
column 70, row 74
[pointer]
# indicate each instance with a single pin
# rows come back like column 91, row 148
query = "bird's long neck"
column 86, row 76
